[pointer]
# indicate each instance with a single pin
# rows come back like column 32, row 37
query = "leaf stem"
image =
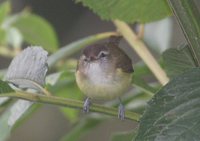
column 70, row 103
column 5, row 51
column 142, row 51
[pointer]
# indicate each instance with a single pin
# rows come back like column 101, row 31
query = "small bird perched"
column 104, row 72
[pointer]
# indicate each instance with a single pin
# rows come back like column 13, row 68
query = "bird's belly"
column 104, row 86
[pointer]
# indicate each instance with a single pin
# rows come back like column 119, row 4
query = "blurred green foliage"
column 36, row 31
column 165, row 110
column 25, row 27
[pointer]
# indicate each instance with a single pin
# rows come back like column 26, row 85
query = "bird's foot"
column 86, row 105
column 121, row 112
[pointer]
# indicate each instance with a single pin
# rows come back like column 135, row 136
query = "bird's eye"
column 103, row 54
column 84, row 58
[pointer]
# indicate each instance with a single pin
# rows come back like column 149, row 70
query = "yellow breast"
column 104, row 85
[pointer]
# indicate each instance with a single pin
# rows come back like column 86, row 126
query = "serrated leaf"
column 124, row 136
column 36, row 31
column 177, row 61
column 174, row 112
column 187, row 14
column 129, row 10
column 4, row 11
column 28, row 69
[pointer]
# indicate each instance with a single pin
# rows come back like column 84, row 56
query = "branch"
column 142, row 51
column 70, row 103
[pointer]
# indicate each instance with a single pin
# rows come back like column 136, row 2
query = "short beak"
column 91, row 58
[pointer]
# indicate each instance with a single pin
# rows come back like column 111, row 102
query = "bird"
column 104, row 71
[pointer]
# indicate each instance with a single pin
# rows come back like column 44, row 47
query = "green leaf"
column 177, row 61
column 36, row 31
column 188, row 15
column 129, row 10
column 5, row 88
column 4, row 11
column 174, row 112
column 124, row 136
column 83, row 127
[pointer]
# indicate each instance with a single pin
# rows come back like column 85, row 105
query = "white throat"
column 98, row 74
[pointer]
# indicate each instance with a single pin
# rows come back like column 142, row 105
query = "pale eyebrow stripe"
column 105, row 52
